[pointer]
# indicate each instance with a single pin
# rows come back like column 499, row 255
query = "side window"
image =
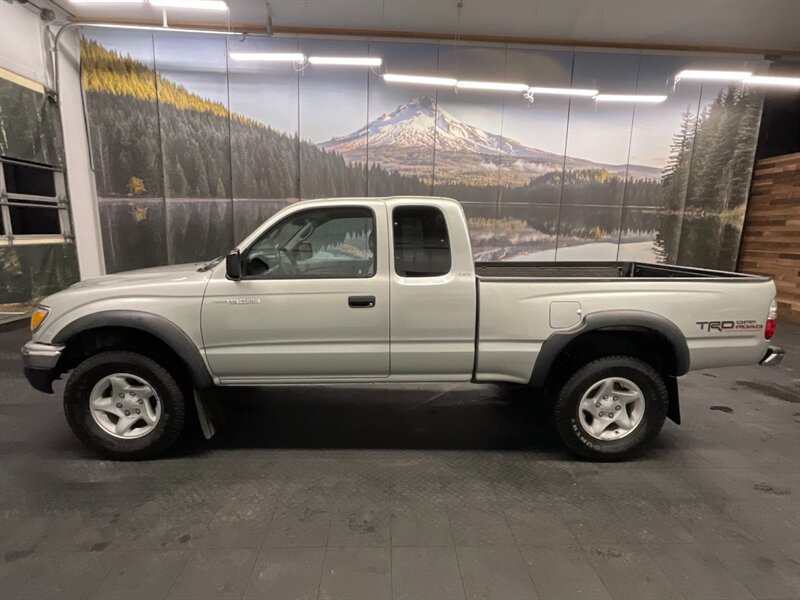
column 421, row 243
column 322, row 243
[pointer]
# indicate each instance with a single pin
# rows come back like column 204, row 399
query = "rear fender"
column 558, row 341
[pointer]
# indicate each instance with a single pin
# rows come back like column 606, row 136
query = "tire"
column 160, row 390
column 636, row 425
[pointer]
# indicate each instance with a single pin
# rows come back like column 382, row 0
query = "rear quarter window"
column 421, row 242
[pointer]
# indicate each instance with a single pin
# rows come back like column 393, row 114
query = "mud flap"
column 674, row 410
column 207, row 412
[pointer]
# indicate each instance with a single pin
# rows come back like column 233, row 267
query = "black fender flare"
column 157, row 326
column 610, row 319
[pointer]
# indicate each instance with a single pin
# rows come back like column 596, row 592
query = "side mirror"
column 233, row 265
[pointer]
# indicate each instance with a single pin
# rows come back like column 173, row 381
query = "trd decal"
column 723, row 326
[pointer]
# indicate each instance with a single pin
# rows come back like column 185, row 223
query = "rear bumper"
column 773, row 356
column 39, row 362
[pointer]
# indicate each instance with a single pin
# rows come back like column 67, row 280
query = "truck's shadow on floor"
column 414, row 417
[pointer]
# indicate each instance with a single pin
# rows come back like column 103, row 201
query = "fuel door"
column 565, row 314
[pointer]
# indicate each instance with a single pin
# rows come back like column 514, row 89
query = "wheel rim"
column 611, row 409
column 125, row 406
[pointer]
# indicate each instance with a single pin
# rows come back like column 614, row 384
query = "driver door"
column 312, row 304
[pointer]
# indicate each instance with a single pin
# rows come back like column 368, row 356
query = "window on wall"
column 33, row 205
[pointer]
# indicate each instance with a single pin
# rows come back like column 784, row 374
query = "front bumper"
column 773, row 357
column 39, row 362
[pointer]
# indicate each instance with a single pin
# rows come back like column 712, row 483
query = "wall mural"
column 194, row 149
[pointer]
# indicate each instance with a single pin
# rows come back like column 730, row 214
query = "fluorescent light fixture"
column 191, row 4
column 563, row 91
column 268, row 56
column 161, row 28
column 492, row 85
column 771, row 80
column 346, row 61
column 629, row 98
column 418, row 79
column 713, row 75
column 107, row 1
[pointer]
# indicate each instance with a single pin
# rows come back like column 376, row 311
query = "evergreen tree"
column 675, row 173
column 178, row 185
column 219, row 189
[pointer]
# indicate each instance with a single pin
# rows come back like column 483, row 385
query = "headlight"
column 38, row 317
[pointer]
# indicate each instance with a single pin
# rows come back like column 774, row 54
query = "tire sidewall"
column 79, row 416
column 567, row 407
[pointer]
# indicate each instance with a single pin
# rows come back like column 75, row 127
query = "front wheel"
column 611, row 408
column 124, row 405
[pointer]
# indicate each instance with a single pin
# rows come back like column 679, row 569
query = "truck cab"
column 359, row 290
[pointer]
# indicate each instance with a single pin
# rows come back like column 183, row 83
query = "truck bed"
column 595, row 270
column 522, row 304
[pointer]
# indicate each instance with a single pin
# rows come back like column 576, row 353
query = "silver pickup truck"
column 354, row 290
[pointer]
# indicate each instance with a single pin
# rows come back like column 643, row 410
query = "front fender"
column 163, row 329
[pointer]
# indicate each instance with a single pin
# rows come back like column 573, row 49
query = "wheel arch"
column 640, row 333
column 612, row 321
column 138, row 323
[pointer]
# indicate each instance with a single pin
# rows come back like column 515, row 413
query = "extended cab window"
column 321, row 243
column 421, row 243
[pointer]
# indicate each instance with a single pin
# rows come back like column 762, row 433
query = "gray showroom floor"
column 409, row 493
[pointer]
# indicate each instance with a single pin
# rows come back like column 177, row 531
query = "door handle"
column 361, row 301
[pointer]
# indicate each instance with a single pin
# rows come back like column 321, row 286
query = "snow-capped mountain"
column 412, row 125
column 403, row 140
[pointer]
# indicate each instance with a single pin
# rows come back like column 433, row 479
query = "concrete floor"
column 412, row 493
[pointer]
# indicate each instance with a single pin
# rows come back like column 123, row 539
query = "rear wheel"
column 124, row 405
column 611, row 408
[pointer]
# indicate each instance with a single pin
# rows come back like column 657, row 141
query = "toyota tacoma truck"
column 385, row 290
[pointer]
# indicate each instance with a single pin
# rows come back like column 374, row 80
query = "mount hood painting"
column 399, row 141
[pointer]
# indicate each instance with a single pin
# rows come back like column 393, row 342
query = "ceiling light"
column 629, row 98
column 191, row 4
column 161, row 28
column 770, row 80
column 713, row 75
column 107, row 1
column 394, row 78
column 563, row 91
column 345, row 61
column 268, row 56
column 492, row 85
